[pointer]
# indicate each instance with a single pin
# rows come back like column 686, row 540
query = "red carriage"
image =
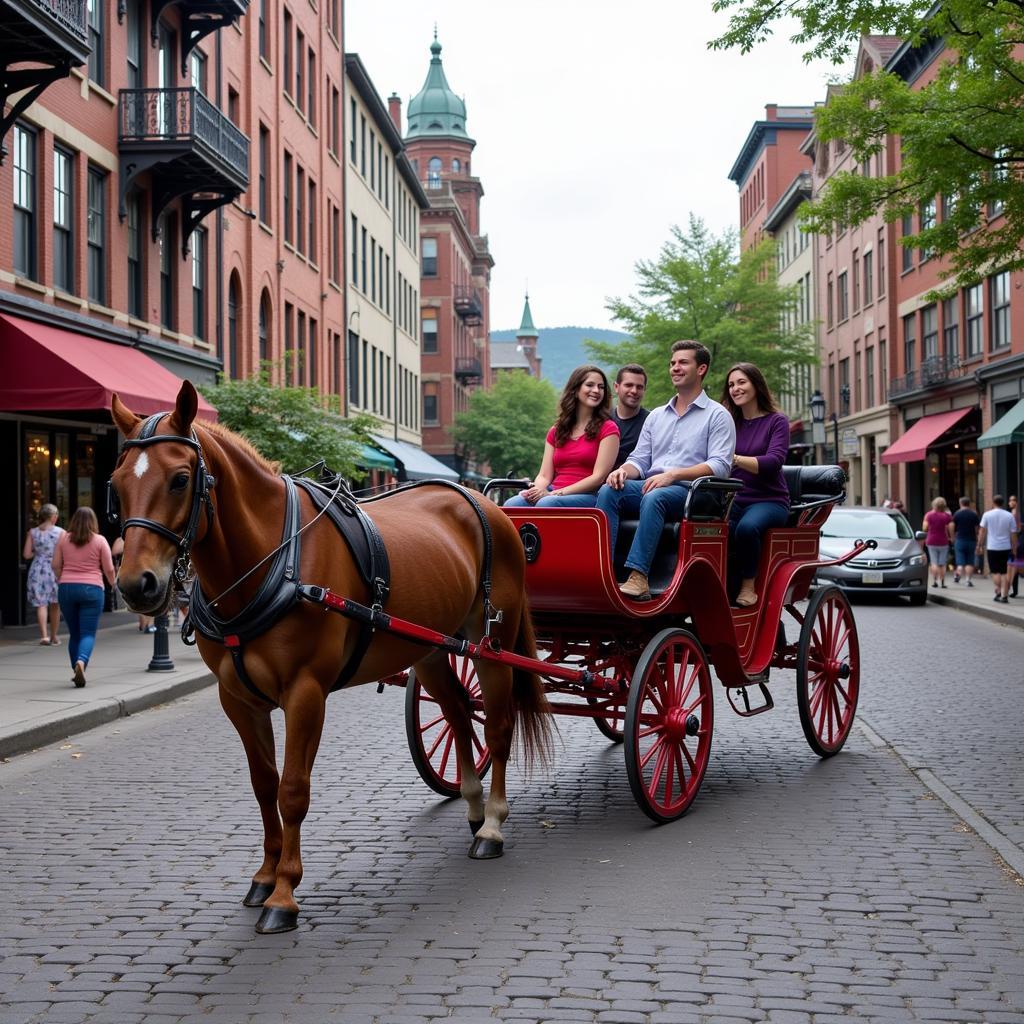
column 642, row 670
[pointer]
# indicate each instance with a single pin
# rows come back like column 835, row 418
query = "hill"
column 561, row 348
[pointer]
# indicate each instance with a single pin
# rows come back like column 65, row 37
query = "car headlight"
column 916, row 560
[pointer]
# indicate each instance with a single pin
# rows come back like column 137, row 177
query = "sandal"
column 45, row 642
column 54, row 642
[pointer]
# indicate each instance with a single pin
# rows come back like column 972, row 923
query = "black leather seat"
column 808, row 484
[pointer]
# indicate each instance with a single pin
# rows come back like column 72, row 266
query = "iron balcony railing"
column 468, row 304
column 933, row 372
column 70, row 14
column 468, row 368
column 184, row 117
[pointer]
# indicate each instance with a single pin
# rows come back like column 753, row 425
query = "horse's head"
column 163, row 489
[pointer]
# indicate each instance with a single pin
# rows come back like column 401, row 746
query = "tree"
column 505, row 425
column 289, row 425
column 701, row 288
column 961, row 133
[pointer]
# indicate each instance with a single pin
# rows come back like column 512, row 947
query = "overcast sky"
column 598, row 124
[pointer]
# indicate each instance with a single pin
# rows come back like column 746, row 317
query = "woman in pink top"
column 939, row 524
column 80, row 561
column 580, row 448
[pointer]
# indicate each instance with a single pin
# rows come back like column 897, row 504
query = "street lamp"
column 817, row 404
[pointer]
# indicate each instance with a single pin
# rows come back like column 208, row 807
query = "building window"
column 197, row 67
column 313, row 355
column 199, row 283
column 167, row 261
column 335, row 245
column 233, row 106
column 264, row 327
column 136, row 43
column 300, row 221
column 951, row 329
column 24, row 202
column 869, row 277
column 234, row 308
column 311, row 86
column 929, row 332
column 842, row 294
column 434, row 172
column 456, row 166
column 373, row 270
column 883, row 363
column 96, row 230
column 429, row 328
column 974, row 298
column 63, row 221
column 881, row 271
column 927, row 221
column 352, row 138
column 363, row 260
column 287, row 197
column 362, row 145
column 286, row 43
column 907, row 256
column 429, row 406
column 869, row 375
column 909, row 342
column 428, row 257
column 94, row 11
column 314, row 252
column 829, row 301
column 354, row 224
column 856, row 280
column 301, row 355
column 844, row 386
column 300, row 60
column 335, row 127
column 999, row 293
column 264, row 196
column 352, row 371
column 289, row 343
column 133, row 203
column 263, row 29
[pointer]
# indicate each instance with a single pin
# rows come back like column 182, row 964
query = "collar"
column 700, row 401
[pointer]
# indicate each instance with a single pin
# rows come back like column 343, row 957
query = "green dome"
column 435, row 109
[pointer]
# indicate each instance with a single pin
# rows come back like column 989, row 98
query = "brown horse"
column 435, row 546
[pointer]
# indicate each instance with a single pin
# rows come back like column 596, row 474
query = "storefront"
column 56, row 437
column 1005, row 438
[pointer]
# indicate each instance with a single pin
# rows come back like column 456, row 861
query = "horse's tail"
column 533, row 713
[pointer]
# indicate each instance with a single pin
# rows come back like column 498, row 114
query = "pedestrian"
column 580, row 448
column 81, row 560
column 40, row 542
column 938, row 524
column 762, row 442
column 998, row 538
column 689, row 437
column 965, row 540
column 628, row 412
column 1016, row 563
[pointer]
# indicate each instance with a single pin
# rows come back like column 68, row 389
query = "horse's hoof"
column 274, row 920
column 486, row 849
column 258, row 894
column 475, row 826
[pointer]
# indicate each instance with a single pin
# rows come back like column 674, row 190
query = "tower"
column 526, row 339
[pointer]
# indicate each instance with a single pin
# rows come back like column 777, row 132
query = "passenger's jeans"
column 555, row 501
column 80, row 604
column 654, row 508
column 747, row 526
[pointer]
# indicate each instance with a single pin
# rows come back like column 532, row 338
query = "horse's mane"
column 274, row 468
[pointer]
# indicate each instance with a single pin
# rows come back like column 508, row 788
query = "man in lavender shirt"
column 689, row 437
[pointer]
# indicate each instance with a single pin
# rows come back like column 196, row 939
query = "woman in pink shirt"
column 939, row 524
column 580, row 448
column 80, row 561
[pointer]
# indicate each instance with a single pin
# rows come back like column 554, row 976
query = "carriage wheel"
column 669, row 721
column 617, row 669
column 828, row 671
column 431, row 739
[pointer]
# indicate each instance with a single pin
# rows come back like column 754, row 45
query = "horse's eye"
column 180, row 482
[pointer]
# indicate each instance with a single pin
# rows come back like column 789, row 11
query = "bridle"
column 202, row 499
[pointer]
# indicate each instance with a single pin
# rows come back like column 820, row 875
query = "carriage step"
column 732, row 692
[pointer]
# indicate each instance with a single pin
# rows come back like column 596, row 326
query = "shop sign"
column 849, row 443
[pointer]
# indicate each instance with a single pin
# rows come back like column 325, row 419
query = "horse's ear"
column 123, row 417
column 185, row 409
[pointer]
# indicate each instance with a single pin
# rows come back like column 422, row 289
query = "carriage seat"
column 809, row 484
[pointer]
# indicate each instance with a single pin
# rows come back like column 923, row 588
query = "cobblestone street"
column 794, row 890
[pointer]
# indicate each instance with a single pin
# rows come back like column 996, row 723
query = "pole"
column 161, row 660
column 835, row 437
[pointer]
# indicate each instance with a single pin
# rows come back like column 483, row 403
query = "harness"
column 280, row 590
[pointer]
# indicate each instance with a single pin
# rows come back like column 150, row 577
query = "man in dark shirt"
column 965, row 523
column 629, row 415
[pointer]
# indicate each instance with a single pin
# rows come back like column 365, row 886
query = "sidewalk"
column 977, row 600
column 39, row 704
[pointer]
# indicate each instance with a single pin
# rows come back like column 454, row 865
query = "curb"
column 981, row 611
column 109, row 710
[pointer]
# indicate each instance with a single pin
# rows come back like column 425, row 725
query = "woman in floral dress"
column 40, row 542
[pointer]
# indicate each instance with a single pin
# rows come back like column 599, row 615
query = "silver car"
column 897, row 566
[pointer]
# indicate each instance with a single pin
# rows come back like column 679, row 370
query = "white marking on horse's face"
column 141, row 464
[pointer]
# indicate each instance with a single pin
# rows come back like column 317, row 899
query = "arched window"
column 434, row 172
column 234, row 310
column 456, row 166
column 264, row 339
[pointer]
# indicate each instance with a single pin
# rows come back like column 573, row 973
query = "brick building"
column 455, row 261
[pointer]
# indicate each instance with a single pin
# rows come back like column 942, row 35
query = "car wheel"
column 917, row 600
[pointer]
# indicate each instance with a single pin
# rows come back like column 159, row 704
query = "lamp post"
column 817, row 404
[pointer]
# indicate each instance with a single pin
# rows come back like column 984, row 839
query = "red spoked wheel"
column 669, row 721
column 618, row 671
column 828, row 671
column 431, row 738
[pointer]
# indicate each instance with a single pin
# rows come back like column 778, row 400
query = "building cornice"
column 798, row 192
column 1000, row 368
column 763, row 134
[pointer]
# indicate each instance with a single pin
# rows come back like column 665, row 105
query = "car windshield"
column 868, row 526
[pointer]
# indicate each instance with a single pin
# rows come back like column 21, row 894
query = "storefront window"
column 37, row 475
column 85, row 468
column 62, row 475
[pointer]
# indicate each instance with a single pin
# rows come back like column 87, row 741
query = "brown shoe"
column 636, row 587
column 79, row 677
column 747, row 596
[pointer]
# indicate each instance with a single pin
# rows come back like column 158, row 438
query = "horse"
column 194, row 495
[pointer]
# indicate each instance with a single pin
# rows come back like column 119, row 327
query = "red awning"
column 914, row 444
column 46, row 368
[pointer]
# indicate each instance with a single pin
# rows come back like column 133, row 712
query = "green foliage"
column 290, row 425
column 701, row 288
column 961, row 133
column 505, row 425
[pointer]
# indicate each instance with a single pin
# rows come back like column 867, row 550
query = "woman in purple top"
column 762, row 441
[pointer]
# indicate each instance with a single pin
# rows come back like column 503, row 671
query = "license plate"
column 872, row 577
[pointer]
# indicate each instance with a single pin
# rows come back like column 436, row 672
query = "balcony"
column 198, row 19
column 933, row 372
column 191, row 149
column 468, row 369
column 468, row 305
column 50, row 34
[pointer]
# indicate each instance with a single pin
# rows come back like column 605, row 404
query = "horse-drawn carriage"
column 436, row 578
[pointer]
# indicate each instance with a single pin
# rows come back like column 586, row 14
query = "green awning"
column 1008, row 429
column 372, row 458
